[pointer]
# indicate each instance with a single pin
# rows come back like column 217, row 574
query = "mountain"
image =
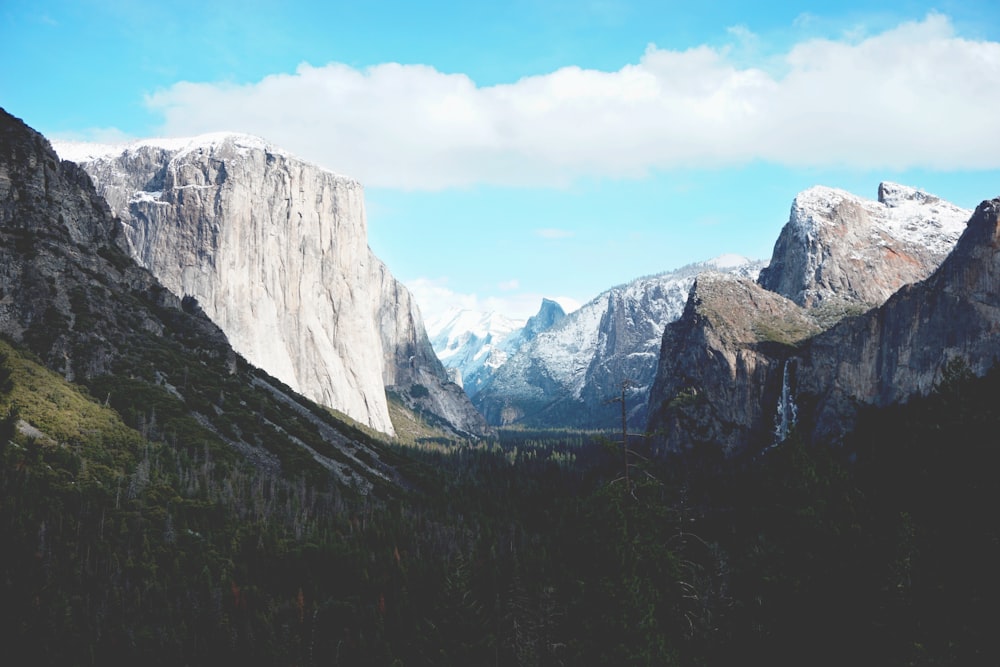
column 473, row 345
column 566, row 374
column 747, row 361
column 173, row 505
column 907, row 346
column 470, row 344
column 275, row 250
column 74, row 299
column 838, row 249
column 718, row 378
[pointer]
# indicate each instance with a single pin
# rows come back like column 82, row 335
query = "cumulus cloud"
column 917, row 95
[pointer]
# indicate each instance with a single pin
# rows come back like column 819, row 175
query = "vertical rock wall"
column 276, row 252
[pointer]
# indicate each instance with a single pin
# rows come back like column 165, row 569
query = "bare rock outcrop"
column 840, row 250
column 720, row 369
column 275, row 251
column 856, row 308
column 902, row 348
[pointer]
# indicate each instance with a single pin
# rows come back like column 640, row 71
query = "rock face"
column 720, row 369
column 549, row 314
column 839, row 250
column 737, row 369
column 567, row 373
column 902, row 348
column 275, row 251
column 52, row 272
column 411, row 370
column 70, row 294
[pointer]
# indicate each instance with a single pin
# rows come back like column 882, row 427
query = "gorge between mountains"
column 275, row 252
column 227, row 438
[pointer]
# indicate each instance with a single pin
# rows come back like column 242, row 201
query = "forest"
column 124, row 540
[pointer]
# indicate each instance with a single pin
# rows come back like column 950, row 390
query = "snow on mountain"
column 867, row 302
column 471, row 344
column 838, row 247
column 82, row 151
column 727, row 261
column 566, row 374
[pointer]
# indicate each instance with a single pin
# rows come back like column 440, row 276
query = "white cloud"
column 435, row 298
column 917, row 95
column 509, row 285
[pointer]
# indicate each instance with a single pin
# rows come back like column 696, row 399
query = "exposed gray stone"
column 840, row 249
column 568, row 374
column 723, row 362
column 275, row 251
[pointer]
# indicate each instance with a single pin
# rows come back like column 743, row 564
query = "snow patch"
column 82, row 152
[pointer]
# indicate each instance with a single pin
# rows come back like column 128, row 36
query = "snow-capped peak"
column 904, row 213
column 457, row 321
column 894, row 194
column 839, row 246
column 83, row 152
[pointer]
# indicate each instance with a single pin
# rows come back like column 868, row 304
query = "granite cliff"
column 854, row 309
column 902, row 348
column 840, row 250
column 70, row 295
column 720, row 366
column 275, row 251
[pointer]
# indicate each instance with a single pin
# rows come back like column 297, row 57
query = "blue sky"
column 535, row 148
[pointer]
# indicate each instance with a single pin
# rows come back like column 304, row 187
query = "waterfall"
column 787, row 411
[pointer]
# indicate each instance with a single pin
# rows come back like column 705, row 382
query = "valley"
column 227, row 436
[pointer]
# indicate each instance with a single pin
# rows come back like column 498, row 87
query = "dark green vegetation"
column 127, row 535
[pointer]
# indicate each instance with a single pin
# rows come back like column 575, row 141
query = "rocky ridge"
column 275, row 251
column 70, row 295
column 473, row 346
column 733, row 380
column 838, row 249
column 568, row 372
column 902, row 348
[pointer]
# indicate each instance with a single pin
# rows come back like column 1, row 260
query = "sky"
column 540, row 148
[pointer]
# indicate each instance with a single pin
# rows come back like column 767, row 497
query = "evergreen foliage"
column 129, row 534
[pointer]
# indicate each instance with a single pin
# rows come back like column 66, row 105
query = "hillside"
column 275, row 250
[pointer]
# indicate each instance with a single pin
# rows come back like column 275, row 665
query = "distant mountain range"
column 561, row 370
column 724, row 332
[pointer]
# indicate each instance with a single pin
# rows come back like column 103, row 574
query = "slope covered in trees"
column 529, row 550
